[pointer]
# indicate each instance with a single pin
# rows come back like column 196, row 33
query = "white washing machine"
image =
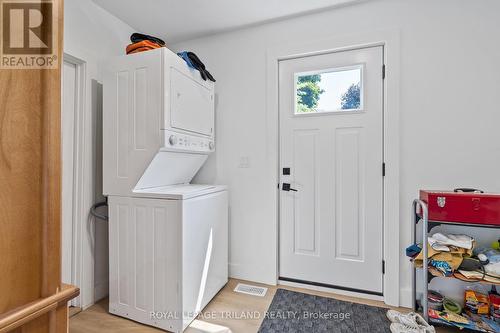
column 168, row 239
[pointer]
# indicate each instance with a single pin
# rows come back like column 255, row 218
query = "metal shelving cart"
column 421, row 213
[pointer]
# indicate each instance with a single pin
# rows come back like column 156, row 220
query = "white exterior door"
column 331, row 169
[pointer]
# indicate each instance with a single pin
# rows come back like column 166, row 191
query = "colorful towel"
column 141, row 46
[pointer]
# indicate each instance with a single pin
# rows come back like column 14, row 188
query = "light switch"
column 244, row 162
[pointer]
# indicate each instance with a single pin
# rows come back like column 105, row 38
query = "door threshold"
column 318, row 286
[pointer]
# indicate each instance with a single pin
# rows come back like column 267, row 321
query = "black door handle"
column 286, row 187
column 467, row 190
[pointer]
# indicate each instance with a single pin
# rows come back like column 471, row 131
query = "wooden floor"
column 73, row 311
column 96, row 319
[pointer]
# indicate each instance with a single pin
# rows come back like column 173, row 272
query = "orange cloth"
column 140, row 49
column 141, row 46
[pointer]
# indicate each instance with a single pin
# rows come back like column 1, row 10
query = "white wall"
column 449, row 114
column 92, row 30
column 91, row 35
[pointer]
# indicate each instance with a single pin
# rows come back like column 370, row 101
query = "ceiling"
column 177, row 20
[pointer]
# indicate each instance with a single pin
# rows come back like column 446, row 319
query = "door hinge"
column 383, row 71
column 383, row 266
column 383, row 169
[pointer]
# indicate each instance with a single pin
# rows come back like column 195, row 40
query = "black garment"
column 200, row 66
column 138, row 37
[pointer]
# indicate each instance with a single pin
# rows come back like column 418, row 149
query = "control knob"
column 172, row 140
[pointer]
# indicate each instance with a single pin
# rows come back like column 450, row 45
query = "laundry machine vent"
column 250, row 290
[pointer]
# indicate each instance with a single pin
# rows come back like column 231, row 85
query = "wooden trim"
column 22, row 315
column 51, row 169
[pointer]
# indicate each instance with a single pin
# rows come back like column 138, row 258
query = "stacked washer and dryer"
column 168, row 239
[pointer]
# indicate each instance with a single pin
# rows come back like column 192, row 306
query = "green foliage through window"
column 308, row 93
column 329, row 91
column 351, row 99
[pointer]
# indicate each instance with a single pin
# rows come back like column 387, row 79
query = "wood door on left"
column 30, row 165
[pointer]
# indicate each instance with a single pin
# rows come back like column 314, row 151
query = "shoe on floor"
column 395, row 316
column 411, row 320
column 401, row 318
column 421, row 322
column 402, row 328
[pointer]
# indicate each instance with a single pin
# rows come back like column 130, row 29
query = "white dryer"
column 168, row 239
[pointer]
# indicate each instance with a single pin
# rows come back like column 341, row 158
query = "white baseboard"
column 405, row 298
column 101, row 290
column 241, row 272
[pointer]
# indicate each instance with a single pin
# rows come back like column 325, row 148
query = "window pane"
column 327, row 91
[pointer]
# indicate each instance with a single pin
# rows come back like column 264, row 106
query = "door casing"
column 76, row 187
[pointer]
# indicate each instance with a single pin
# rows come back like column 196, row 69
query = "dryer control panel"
column 188, row 143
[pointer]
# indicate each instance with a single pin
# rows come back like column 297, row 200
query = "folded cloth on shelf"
column 413, row 250
column 493, row 255
column 448, row 316
column 441, row 242
column 141, row 46
column 464, row 321
column 492, row 266
column 483, row 323
column 493, row 269
column 454, row 257
column 441, row 266
column 476, row 275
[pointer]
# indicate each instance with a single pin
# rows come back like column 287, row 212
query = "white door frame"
column 78, row 171
column 390, row 41
column 84, row 227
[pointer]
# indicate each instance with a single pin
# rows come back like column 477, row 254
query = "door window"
column 331, row 90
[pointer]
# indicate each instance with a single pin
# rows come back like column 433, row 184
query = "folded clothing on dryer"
column 194, row 62
column 141, row 46
column 142, row 42
column 138, row 37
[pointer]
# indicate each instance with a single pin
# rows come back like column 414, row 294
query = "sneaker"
column 421, row 322
column 401, row 318
column 404, row 328
column 395, row 316
column 411, row 319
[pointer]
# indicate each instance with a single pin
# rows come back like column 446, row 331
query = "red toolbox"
column 463, row 206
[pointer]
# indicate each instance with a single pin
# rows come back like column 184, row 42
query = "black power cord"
column 93, row 210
